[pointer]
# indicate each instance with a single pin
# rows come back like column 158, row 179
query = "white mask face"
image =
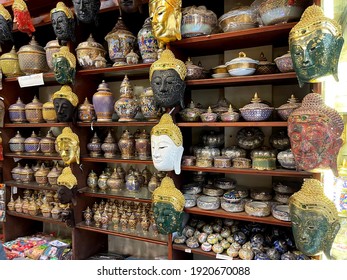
column 166, row 155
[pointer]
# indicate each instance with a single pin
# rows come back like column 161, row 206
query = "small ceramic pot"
column 188, row 161
column 143, row 146
column 126, row 145
column 94, row 146
column 286, row 159
column 51, row 48
column 32, row 144
column 233, row 152
column 15, row 172
column 9, row 64
column 16, row 144
column 250, row 138
column 209, row 116
column 242, row 66
column 33, row 111
column 190, row 114
column 109, row 147
column 256, row 110
column 285, row 63
column 47, row 144
column 222, row 162
column 257, row 208
column 241, row 162
column 92, row 180
column 286, row 109
column 86, row 112
column 230, row 115
column 208, row 202
column 194, row 72
column 48, row 112
column 17, row 112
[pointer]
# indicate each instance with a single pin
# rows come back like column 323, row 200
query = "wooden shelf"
column 36, row 218
column 276, row 35
column 115, row 160
column 122, row 124
column 250, row 171
column 243, row 216
column 278, row 78
column 47, row 78
column 143, row 196
column 31, row 185
column 36, row 157
column 136, row 235
column 199, row 251
column 233, row 124
column 31, row 125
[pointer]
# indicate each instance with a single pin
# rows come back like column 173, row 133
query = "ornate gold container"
column 86, row 112
column 53, row 175
column 48, row 112
column 32, row 144
column 51, row 48
column 32, row 58
column 33, row 111
column 41, row 175
column 17, row 112
column 47, row 144
column 26, row 174
column 16, row 144
column 9, row 64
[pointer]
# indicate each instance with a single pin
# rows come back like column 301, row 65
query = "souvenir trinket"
column 63, row 23
column 65, row 102
column 33, row 111
column 126, row 145
column 284, row 63
column 239, row 18
column 149, row 108
column 242, row 66
column 48, row 111
column 22, row 17
column 256, row 110
column 86, row 10
column 109, row 147
column 190, row 114
column 103, row 102
column 17, row 112
column 286, row 109
column 9, row 62
column 68, row 147
column 64, row 66
column 16, row 143
column 148, row 44
column 86, row 112
column 94, row 146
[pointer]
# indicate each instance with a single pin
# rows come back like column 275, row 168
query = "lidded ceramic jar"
column 109, row 147
column 209, row 116
column 256, row 110
column 147, row 42
column 126, row 107
column 9, row 64
column 18, row 205
column 265, row 66
column 280, row 140
column 121, row 172
column 94, row 146
column 250, row 138
column 147, row 174
column 242, row 65
column 286, row 109
column 190, row 114
column 92, row 180
column 102, row 181
column 32, row 58
column 51, row 48
column 234, row 152
column 17, row 112
column 213, row 139
column 264, row 158
column 132, row 183
column 26, row 174
column 115, row 182
column 120, row 42
column 10, row 204
column 88, row 51
column 48, row 111
column 86, row 112
column 41, row 175
column 143, row 146
column 149, row 108
column 56, row 211
column 47, row 144
column 16, row 171
column 221, row 106
column 32, row 144
column 126, row 145
column 53, row 175
column 33, row 111
column 132, row 58
column 46, row 209
column 103, row 102
column 33, row 209
column 286, row 159
column 16, row 144
column 194, row 72
column 230, row 115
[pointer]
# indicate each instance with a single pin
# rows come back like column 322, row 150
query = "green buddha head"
column 64, row 66
column 315, row 44
column 168, row 204
column 314, row 219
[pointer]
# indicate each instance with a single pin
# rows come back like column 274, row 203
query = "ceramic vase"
column 103, row 103
column 94, row 146
column 109, row 147
column 147, row 42
column 143, row 146
column 149, row 108
column 86, row 112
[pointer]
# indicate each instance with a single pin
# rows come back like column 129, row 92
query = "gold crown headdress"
column 172, row 3
column 65, row 52
column 167, row 192
column 19, row 5
column 167, row 61
column 66, row 178
column 68, row 133
column 5, row 13
column 61, row 7
column 66, row 92
column 311, row 197
column 167, row 127
column 313, row 104
column 312, row 19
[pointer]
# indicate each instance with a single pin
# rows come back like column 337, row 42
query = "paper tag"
column 31, row 80
column 187, row 250
column 14, row 190
column 223, row 257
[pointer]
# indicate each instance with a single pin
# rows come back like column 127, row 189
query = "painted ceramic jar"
column 32, row 144
column 33, row 111
column 18, row 205
column 56, row 211
column 230, row 115
column 147, row 42
column 86, row 112
column 286, row 109
column 126, row 106
column 143, row 146
column 26, row 174
column 32, row 58
column 115, row 182
column 121, row 172
column 94, row 146
column 9, row 64
column 33, row 209
column 147, row 174
column 149, row 108
column 209, row 116
column 51, row 48
column 103, row 103
column 48, row 111
column 194, row 72
column 15, row 172
column 153, row 183
column 16, row 144
column 132, row 58
column 286, row 159
column 41, row 175
column 92, row 180
column 132, row 183
column 109, row 147
column 126, row 145
column 47, row 144
column 53, row 175
column 102, row 181
column 88, row 52
column 256, row 110
column 190, row 114
column 10, row 204
column 280, row 140
column 120, row 42
column 17, row 112
column 250, row 138
column 25, row 206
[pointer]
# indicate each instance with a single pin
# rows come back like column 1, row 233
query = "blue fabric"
column 2, row 253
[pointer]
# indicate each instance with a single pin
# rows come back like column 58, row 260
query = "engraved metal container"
column 264, row 159
column 41, row 175
column 109, row 147
column 47, row 144
column 250, row 138
column 286, row 159
column 213, row 139
column 17, row 112
column 9, row 64
column 32, row 58
column 32, row 144
column 33, row 111
column 190, row 114
column 86, row 112
column 126, row 145
column 94, row 146
column 48, row 112
column 233, row 152
column 51, row 48
column 16, row 144
column 143, row 146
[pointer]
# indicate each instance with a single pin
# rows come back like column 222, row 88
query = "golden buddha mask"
column 68, row 145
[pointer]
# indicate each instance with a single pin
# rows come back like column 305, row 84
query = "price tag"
column 14, row 190
column 16, row 159
column 31, row 80
column 223, row 257
column 188, row 250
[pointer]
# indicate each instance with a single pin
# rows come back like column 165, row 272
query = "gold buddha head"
column 68, row 145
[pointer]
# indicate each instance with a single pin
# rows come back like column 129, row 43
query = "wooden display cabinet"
column 88, row 240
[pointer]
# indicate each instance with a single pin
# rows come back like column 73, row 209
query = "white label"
column 16, row 159
column 223, row 257
column 31, row 80
column 187, row 250
column 14, row 190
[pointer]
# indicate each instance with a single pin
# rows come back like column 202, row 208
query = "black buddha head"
column 129, row 6
column 65, row 102
column 167, row 76
column 63, row 23
column 5, row 25
column 86, row 10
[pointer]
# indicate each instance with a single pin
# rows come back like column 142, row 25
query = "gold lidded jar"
column 18, row 204
column 109, row 147
column 256, row 110
column 26, row 174
column 17, row 112
column 41, row 175
column 86, row 111
column 10, row 204
column 286, row 109
column 33, row 209
column 32, row 58
column 51, row 48
column 53, row 175
column 102, row 181
column 56, row 211
column 46, row 209
column 32, row 144
column 143, row 146
column 9, row 64
column 25, row 206
column 92, row 180
column 87, row 53
column 33, row 111
column 115, row 182
column 149, row 108
column 16, row 173
column 16, row 144
column 94, row 146
column 47, row 144
column 48, row 111
column 126, row 145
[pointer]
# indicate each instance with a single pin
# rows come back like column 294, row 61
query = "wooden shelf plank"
column 47, row 78
column 136, row 235
column 107, row 124
column 250, row 171
column 199, row 251
column 220, row 213
column 36, row 157
column 233, row 124
column 31, row 125
column 143, row 196
column 115, row 160
column 31, row 185
column 36, row 218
